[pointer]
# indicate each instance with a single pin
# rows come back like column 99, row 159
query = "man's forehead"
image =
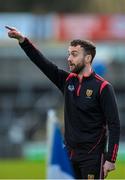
column 75, row 48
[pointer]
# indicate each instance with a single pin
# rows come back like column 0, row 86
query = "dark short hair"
column 88, row 46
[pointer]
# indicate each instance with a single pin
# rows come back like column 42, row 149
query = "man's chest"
column 84, row 95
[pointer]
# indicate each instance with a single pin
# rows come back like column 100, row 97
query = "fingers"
column 11, row 34
column 10, row 28
column 108, row 166
column 105, row 173
column 14, row 33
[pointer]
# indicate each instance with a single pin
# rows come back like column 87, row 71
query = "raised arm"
column 56, row 75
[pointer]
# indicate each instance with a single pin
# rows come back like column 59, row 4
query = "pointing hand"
column 13, row 33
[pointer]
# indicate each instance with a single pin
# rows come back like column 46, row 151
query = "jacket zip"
column 79, row 87
column 78, row 90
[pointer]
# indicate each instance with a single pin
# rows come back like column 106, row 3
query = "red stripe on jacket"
column 115, row 150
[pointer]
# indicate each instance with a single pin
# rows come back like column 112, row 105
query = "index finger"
column 10, row 28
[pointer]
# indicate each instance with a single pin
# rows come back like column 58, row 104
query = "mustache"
column 71, row 64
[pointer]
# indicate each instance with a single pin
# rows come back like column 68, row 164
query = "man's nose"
column 69, row 58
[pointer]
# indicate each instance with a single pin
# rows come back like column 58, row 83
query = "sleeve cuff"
column 25, row 42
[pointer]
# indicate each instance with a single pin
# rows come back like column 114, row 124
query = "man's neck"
column 86, row 72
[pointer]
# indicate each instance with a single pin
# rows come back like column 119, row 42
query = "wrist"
column 21, row 39
column 109, row 158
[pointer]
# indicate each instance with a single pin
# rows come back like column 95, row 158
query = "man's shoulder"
column 101, row 81
column 100, row 78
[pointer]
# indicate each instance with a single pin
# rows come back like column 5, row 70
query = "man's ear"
column 88, row 58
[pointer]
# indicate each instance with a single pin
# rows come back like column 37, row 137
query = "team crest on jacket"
column 89, row 92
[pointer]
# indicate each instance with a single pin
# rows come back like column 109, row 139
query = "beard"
column 77, row 68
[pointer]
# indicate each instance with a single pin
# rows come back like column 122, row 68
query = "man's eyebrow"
column 73, row 51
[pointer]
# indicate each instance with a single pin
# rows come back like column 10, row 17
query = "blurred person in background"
column 90, row 107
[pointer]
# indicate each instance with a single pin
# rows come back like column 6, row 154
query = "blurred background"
column 26, row 94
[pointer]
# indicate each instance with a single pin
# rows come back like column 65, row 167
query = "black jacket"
column 90, row 106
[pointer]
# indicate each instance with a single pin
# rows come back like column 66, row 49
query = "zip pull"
column 78, row 89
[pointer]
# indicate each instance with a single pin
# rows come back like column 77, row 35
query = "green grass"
column 22, row 169
column 27, row 169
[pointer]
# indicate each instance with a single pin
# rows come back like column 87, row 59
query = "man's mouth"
column 70, row 65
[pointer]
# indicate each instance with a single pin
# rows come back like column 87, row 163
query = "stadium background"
column 26, row 94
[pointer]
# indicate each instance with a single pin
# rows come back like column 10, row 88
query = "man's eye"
column 74, row 54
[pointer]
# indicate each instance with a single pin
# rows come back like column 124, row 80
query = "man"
column 90, row 108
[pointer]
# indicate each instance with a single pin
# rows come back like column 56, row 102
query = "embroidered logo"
column 71, row 87
column 89, row 93
column 91, row 176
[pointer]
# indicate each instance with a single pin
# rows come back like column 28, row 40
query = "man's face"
column 76, row 59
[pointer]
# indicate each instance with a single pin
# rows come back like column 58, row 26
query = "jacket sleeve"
column 110, row 110
column 56, row 75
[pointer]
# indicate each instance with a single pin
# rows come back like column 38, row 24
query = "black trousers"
column 89, row 166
